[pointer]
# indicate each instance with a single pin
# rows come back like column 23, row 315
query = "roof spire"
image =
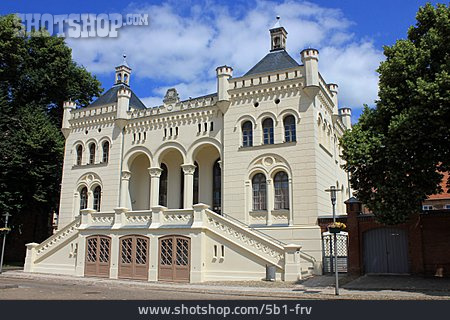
column 124, row 62
column 123, row 72
column 278, row 36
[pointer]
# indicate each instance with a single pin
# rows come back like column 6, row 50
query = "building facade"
column 211, row 188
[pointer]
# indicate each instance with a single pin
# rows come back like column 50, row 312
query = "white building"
column 211, row 188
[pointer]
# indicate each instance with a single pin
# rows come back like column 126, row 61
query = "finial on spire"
column 124, row 62
column 277, row 24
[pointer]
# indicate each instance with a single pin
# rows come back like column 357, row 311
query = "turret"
column 123, row 105
column 310, row 59
column 278, row 36
column 123, row 72
column 346, row 117
column 334, row 91
column 224, row 73
column 68, row 106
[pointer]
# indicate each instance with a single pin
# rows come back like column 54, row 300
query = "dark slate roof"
column 273, row 61
column 210, row 95
column 110, row 97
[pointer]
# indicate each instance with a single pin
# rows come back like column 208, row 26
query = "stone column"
column 291, row 203
column 269, row 201
column 90, row 199
column 155, row 173
column 248, row 201
column 188, row 170
column 124, row 189
column 76, row 205
column 114, row 257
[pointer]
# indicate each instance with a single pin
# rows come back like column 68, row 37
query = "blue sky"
column 186, row 40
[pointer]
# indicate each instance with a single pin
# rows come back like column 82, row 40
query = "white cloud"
column 183, row 50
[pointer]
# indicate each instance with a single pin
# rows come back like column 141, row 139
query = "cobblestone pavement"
column 19, row 285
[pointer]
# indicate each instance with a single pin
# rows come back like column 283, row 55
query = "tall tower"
column 123, row 72
column 278, row 36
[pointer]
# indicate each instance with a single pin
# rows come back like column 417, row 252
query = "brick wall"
column 428, row 239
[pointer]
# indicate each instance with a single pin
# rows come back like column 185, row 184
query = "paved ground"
column 18, row 285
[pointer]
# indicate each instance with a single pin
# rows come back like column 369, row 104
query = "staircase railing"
column 261, row 245
column 58, row 237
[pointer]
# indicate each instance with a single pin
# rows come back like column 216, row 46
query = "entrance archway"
column 140, row 183
column 172, row 160
column 207, row 157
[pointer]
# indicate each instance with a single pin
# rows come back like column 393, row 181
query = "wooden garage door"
column 98, row 256
column 133, row 257
column 174, row 258
column 385, row 251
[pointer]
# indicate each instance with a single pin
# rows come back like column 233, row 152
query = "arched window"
column 163, row 186
column 281, row 186
column 217, row 187
column 268, row 131
column 97, row 198
column 92, row 153
column 196, row 184
column 289, row 129
column 259, row 192
column 247, row 134
column 105, row 157
column 83, row 198
column 79, row 155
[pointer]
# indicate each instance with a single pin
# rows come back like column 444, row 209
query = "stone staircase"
column 246, row 238
column 58, row 239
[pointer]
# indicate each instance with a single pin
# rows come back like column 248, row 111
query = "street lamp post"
column 333, row 192
column 6, row 215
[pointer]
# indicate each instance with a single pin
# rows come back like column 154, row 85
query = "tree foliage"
column 397, row 151
column 37, row 74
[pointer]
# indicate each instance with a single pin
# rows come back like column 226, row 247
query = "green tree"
column 397, row 151
column 37, row 74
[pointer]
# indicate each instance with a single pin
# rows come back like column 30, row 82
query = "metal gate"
column 328, row 251
column 98, row 255
column 174, row 258
column 385, row 251
column 133, row 258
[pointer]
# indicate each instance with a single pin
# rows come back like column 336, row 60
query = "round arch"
column 200, row 144
column 89, row 180
column 133, row 153
column 169, row 146
column 91, row 140
column 268, row 114
column 286, row 112
column 246, row 117
column 78, row 142
column 258, row 169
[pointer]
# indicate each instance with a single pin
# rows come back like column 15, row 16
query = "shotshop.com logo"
column 75, row 25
